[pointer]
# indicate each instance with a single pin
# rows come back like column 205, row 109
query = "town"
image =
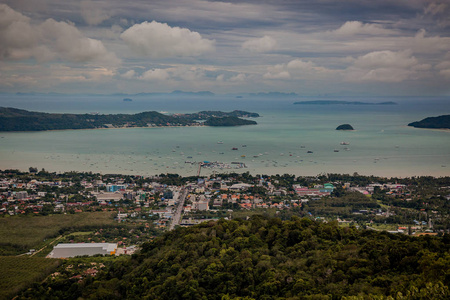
column 410, row 205
column 73, row 226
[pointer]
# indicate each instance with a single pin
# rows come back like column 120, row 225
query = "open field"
column 19, row 234
column 243, row 214
column 17, row 273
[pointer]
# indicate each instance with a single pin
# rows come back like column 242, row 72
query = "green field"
column 17, row 273
column 21, row 233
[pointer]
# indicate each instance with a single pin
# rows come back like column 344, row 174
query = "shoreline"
column 101, row 128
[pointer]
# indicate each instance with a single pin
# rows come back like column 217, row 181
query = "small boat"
column 234, row 148
column 302, row 147
column 336, row 150
column 309, row 151
column 244, row 145
column 219, row 142
column 243, row 156
column 345, row 143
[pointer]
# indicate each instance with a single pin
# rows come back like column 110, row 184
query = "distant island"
column 13, row 119
column 345, row 127
column 440, row 122
column 333, row 102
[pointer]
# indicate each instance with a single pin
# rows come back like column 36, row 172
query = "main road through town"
column 179, row 209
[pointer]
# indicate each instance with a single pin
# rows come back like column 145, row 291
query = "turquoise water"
column 381, row 145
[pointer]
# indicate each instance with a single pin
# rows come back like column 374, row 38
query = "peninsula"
column 13, row 119
column 440, row 122
column 333, row 102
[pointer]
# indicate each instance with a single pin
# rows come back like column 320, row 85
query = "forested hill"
column 441, row 122
column 270, row 259
column 13, row 119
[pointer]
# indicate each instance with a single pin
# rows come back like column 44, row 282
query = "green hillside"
column 270, row 259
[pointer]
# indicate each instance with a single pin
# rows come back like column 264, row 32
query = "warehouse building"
column 74, row 249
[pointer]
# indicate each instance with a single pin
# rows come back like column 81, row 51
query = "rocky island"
column 345, row 127
column 13, row 119
column 440, row 122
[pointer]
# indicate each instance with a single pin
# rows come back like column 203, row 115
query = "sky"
column 308, row 47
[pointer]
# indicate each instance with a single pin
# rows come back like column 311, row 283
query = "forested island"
column 345, row 127
column 228, row 121
column 13, row 119
column 333, row 102
column 440, row 122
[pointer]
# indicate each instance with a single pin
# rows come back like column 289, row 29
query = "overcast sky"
column 310, row 47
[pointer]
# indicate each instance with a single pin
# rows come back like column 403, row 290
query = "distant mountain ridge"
column 333, row 102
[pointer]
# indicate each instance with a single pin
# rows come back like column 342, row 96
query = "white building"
column 75, row 249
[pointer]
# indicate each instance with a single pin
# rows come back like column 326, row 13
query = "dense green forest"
column 441, row 122
column 266, row 258
column 228, row 121
column 13, row 119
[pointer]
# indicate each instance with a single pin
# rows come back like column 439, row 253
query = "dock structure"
column 199, row 169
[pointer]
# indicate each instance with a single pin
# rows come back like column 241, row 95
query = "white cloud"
column 94, row 13
column 386, row 59
column 160, row 40
column 50, row 40
column 155, row 74
column 264, row 44
column 220, row 78
column 298, row 69
column 16, row 34
column 69, row 43
column 238, row 78
column 350, row 28
column 444, row 67
column 277, row 75
column 421, row 43
column 386, row 66
column 128, row 74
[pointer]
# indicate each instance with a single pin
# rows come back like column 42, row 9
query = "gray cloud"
column 94, row 13
column 50, row 40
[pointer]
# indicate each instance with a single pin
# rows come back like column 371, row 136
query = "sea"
column 288, row 139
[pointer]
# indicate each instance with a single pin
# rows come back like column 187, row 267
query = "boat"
column 243, row 156
column 336, row 150
column 219, row 142
column 309, row 151
column 234, row 148
column 244, row 145
column 345, row 143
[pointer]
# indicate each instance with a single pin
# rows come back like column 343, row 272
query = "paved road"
column 177, row 217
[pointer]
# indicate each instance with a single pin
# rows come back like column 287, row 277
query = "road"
column 177, row 216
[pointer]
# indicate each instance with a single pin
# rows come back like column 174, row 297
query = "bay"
column 381, row 144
